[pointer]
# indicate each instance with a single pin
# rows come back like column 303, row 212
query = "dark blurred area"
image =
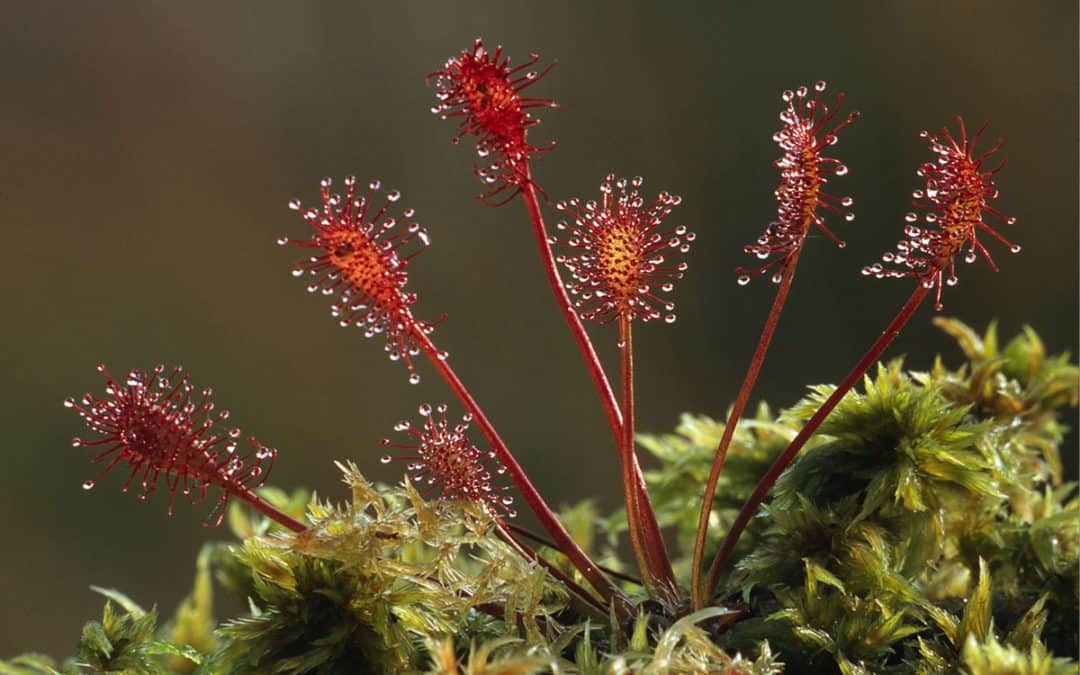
column 150, row 150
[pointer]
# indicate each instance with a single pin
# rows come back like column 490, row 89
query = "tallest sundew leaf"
column 482, row 90
column 363, row 261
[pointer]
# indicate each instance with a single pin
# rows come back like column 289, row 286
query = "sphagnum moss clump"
column 920, row 523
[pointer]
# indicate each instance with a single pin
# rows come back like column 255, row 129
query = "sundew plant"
column 901, row 521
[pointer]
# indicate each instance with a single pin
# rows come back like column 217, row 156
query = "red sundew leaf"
column 365, row 252
column 482, row 90
column 159, row 426
column 804, row 172
column 955, row 200
column 621, row 256
column 442, row 458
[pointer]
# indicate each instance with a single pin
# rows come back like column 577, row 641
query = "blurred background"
column 150, row 150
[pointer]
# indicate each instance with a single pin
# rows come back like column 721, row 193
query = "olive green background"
column 150, row 148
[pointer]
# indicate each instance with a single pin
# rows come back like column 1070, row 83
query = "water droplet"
column 87, row 485
column 425, row 409
column 76, row 442
column 743, row 280
column 414, row 379
column 670, row 318
column 1015, row 248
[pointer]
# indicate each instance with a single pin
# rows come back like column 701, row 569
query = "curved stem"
column 769, row 479
column 607, row 589
column 270, row 511
column 645, row 537
column 741, row 399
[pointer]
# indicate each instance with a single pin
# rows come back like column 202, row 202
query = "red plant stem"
column 547, row 258
column 732, row 422
column 585, row 346
column 607, row 589
column 645, row 537
column 270, row 511
column 769, row 479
